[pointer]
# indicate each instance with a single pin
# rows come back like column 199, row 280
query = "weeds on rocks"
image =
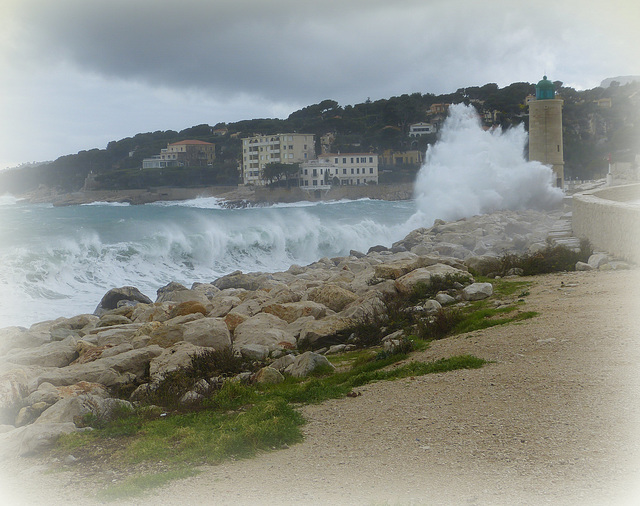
column 439, row 325
column 438, row 283
column 550, row 259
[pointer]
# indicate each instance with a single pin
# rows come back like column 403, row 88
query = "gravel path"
column 553, row 419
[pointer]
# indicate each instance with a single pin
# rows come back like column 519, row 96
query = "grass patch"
column 485, row 318
column 506, row 288
column 238, row 421
column 137, row 485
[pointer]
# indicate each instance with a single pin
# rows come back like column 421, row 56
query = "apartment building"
column 421, row 128
column 259, row 150
column 340, row 169
column 412, row 157
column 187, row 153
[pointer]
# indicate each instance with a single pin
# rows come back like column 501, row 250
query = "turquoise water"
column 59, row 261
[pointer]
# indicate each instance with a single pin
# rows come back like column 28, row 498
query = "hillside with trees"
column 593, row 129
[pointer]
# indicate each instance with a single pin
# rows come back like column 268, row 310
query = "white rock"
column 306, row 363
column 445, row 299
column 477, row 291
column 598, row 259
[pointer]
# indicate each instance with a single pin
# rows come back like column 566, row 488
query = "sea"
column 60, row 261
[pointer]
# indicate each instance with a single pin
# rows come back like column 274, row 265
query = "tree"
column 275, row 171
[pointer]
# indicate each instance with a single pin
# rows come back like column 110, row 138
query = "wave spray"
column 472, row 171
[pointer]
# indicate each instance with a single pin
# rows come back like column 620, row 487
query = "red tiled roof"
column 192, row 142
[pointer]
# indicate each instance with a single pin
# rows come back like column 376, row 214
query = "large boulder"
column 484, row 264
column 291, row 311
column 145, row 313
column 268, row 375
column 308, row 362
column 33, row 439
column 177, row 356
column 114, row 335
column 597, row 260
column 252, row 281
column 318, row 333
column 20, row 338
column 53, row 354
column 477, row 291
column 265, row 329
column 207, row 332
column 110, row 371
column 14, row 386
column 408, row 282
column 182, row 295
column 109, row 320
column 75, row 326
column 113, row 297
column 222, row 304
column 332, row 296
column 75, row 409
column 187, row 308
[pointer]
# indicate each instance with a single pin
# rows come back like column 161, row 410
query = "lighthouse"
column 545, row 129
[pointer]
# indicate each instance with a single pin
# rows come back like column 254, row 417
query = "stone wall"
column 403, row 191
column 610, row 219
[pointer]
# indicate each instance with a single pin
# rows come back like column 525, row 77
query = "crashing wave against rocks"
column 57, row 371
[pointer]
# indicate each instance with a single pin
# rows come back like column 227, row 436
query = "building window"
column 371, row 159
column 315, row 182
column 336, row 160
column 344, row 160
column 352, row 171
column 344, row 171
column 370, row 170
column 352, row 159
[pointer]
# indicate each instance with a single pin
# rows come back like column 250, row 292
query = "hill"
column 597, row 122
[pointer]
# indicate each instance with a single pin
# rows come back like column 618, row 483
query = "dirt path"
column 554, row 419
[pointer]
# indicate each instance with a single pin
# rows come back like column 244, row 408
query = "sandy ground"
column 553, row 419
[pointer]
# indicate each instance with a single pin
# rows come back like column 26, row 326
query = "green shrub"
column 550, row 259
column 437, row 283
column 440, row 324
column 208, row 363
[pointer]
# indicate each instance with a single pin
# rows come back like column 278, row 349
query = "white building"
column 422, row 128
column 259, row 150
column 340, row 169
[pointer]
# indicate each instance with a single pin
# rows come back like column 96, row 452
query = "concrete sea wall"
column 610, row 219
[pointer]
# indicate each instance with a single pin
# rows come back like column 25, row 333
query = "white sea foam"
column 102, row 203
column 8, row 200
column 471, row 171
column 198, row 203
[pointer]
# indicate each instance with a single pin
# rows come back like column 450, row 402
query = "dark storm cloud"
column 109, row 68
column 286, row 49
column 280, row 48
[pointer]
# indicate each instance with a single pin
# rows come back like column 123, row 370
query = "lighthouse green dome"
column 545, row 89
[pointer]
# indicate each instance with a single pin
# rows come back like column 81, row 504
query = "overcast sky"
column 76, row 74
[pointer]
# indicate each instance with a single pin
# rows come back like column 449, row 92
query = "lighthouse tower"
column 545, row 129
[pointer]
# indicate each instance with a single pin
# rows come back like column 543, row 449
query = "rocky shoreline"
column 56, row 372
column 230, row 196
